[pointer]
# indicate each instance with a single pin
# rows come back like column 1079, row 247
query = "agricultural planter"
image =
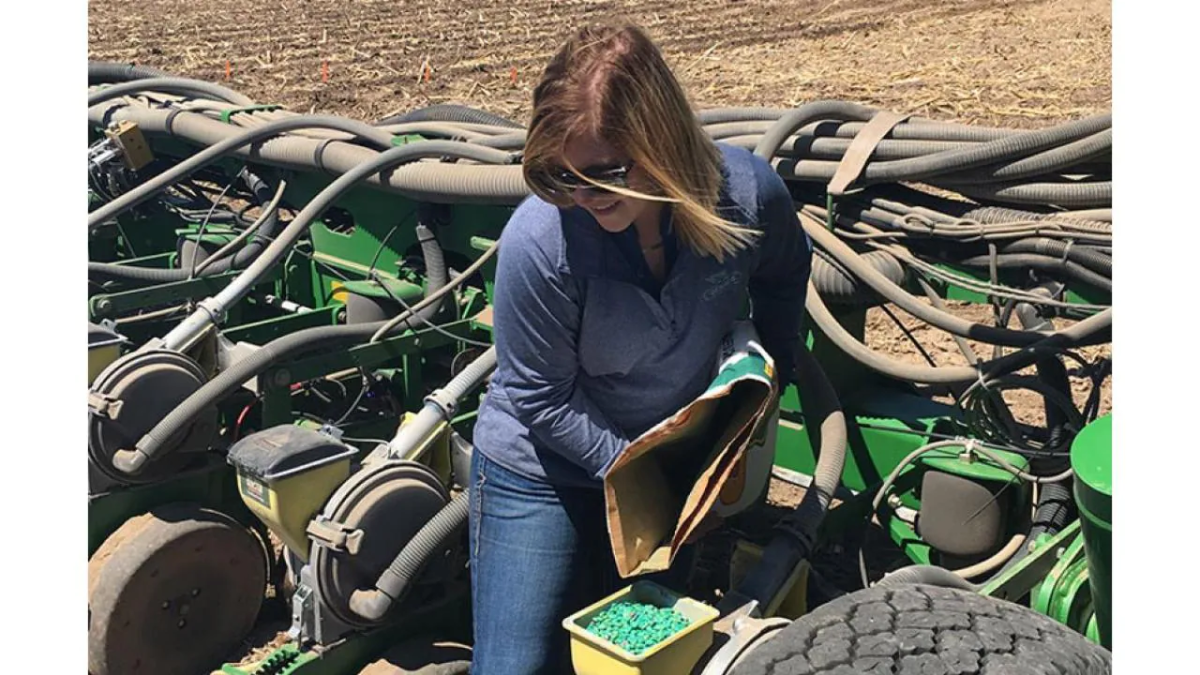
column 289, row 334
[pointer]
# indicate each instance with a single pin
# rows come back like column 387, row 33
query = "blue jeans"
column 539, row 553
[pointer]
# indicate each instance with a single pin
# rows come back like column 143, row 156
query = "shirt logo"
column 719, row 282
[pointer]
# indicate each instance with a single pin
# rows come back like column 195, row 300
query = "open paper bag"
column 663, row 484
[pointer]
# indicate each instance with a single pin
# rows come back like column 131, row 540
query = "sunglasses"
column 566, row 181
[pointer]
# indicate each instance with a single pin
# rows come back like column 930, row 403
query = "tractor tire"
column 924, row 630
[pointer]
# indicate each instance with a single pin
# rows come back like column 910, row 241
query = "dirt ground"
column 1016, row 63
column 1007, row 63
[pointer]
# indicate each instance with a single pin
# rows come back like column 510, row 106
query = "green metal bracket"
column 261, row 332
column 250, row 108
column 106, row 305
column 482, row 243
column 906, row 538
column 276, row 399
column 448, row 613
column 1064, row 595
column 405, row 139
column 283, row 661
column 1027, row 574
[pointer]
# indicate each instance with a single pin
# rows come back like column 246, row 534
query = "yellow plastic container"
column 285, row 474
column 285, row 504
column 104, row 347
column 677, row 655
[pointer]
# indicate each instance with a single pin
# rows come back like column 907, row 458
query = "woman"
column 616, row 281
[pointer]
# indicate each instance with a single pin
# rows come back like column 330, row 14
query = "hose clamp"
column 969, row 453
column 443, row 402
column 1067, row 250
column 213, row 309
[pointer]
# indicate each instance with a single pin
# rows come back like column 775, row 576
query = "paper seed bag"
column 663, row 484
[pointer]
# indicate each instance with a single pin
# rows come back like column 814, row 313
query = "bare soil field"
column 1003, row 62
column 1007, row 63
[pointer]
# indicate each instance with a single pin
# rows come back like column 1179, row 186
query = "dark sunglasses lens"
column 606, row 177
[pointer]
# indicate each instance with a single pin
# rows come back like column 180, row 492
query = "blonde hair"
column 612, row 81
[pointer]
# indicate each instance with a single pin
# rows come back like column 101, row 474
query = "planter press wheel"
column 173, row 591
column 914, row 629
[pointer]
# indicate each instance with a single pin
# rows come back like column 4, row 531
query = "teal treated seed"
column 636, row 627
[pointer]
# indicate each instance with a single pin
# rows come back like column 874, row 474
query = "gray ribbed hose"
column 430, row 540
column 154, row 441
column 893, row 293
column 820, row 402
column 930, row 575
column 225, row 147
column 1049, row 161
column 950, row 161
column 936, row 160
column 104, row 72
column 1085, row 330
column 432, row 182
column 909, row 131
column 839, row 287
column 1096, row 194
column 789, row 123
column 439, row 407
column 213, row 309
column 262, row 192
column 169, row 85
column 449, row 112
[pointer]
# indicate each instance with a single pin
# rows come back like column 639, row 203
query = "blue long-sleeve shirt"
column 592, row 352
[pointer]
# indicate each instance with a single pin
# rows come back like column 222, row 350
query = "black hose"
column 395, row 581
column 262, row 193
column 1056, row 504
column 797, row 531
column 105, row 72
column 448, row 112
column 838, row 286
column 287, row 346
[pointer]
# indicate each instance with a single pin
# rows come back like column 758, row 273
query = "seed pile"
column 636, row 627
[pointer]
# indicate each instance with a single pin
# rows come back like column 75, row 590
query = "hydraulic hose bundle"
column 899, row 209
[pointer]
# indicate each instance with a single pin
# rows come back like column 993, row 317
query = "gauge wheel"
column 173, row 591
